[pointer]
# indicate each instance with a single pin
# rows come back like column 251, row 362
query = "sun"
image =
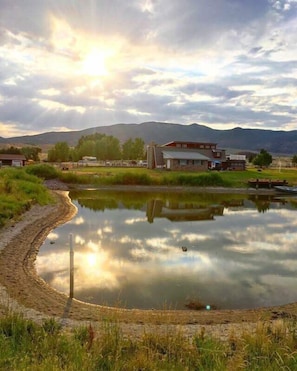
column 94, row 64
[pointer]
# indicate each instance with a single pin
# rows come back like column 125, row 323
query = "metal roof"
column 184, row 155
column 9, row 156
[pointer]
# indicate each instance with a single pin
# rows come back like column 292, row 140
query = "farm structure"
column 192, row 156
column 12, row 160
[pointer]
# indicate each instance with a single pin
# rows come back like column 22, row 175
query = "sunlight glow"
column 92, row 260
column 94, row 64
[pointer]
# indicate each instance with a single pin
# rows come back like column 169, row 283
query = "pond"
column 175, row 250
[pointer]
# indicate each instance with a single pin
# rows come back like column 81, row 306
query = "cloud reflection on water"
column 242, row 258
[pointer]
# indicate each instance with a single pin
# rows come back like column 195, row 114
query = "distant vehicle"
column 142, row 163
column 89, row 158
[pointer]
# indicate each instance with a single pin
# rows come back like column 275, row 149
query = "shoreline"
column 177, row 189
column 25, row 292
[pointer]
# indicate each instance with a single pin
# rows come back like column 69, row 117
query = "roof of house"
column 186, row 142
column 9, row 156
column 184, row 155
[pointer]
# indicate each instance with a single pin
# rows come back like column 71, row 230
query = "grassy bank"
column 142, row 176
column 18, row 192
column 25, row 345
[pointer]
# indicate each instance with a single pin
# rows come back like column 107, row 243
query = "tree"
column 101, row 146
column 11, row 150
column 31, row 153
column 127, row 149
column 294, row 160
column 59, row 153
column 133, row 149
column 108, row 148
column 263, row 159
column 86, row 148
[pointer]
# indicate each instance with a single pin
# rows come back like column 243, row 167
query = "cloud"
column 222, row 63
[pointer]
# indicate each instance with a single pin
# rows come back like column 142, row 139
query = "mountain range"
column 277, row 142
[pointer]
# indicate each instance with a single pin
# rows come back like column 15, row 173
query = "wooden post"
column 71, row 267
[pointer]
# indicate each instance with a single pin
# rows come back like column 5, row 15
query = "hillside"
column 279, row 142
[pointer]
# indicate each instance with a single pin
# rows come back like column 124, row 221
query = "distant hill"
column 277, row 142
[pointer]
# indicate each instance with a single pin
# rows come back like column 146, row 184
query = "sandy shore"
column 22, row 290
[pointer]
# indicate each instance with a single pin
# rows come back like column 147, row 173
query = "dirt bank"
column 22, row 289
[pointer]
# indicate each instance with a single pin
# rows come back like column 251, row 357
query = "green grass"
column 143, row 176
column 25, row 345
column 18, row 192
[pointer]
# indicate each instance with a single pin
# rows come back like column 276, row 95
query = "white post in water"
column 71, row 266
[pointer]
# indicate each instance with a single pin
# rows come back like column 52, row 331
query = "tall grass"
column 141, row 176
column 198, row 180
column 24, row 345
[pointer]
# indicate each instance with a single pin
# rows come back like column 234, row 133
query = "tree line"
column 107, row 147
column 103, row 147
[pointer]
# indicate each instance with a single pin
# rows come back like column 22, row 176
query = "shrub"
column 44, row 171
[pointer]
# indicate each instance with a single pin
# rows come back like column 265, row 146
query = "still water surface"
column 149, row 250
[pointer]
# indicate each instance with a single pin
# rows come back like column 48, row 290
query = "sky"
column 77, row 64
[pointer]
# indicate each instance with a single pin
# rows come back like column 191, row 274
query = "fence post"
column 71, row 267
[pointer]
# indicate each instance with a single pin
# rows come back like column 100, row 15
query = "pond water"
column 167, row 250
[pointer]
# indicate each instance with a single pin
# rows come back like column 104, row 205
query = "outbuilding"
column 7, row 159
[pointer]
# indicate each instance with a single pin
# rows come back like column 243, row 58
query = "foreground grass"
column 24, row 345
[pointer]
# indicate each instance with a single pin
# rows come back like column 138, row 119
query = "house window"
column 184, row 146
column 182, row 162
column 178, row 145
column 198, row 162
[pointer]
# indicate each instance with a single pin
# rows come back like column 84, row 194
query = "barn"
column 7, row 159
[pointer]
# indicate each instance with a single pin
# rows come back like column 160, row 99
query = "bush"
column 44, row 171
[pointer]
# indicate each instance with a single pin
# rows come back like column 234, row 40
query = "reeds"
column 25, row 345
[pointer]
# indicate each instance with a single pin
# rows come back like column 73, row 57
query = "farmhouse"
column 178, row 155
column 197, row 156
column 12, row 160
